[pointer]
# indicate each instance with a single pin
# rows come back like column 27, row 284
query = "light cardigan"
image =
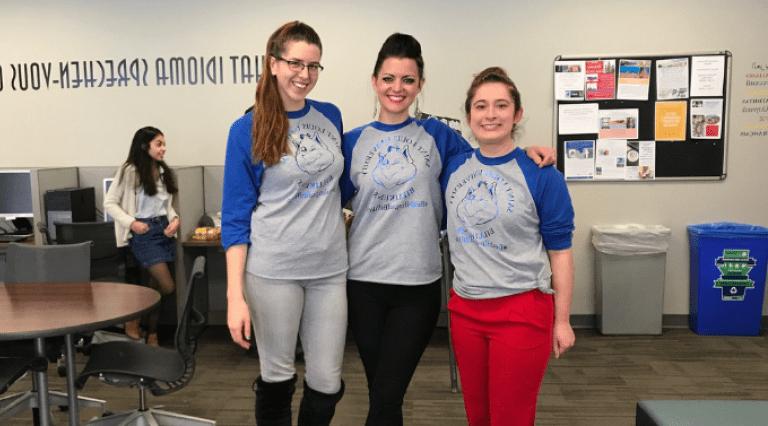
column 121, row 203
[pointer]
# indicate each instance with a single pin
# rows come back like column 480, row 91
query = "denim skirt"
column 153, row 246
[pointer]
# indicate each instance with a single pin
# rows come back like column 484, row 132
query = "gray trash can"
column 630, row 263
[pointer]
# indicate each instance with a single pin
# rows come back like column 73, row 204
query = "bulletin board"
column 671, row 111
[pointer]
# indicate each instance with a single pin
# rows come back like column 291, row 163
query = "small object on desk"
column 206, row 233
column 13, row 238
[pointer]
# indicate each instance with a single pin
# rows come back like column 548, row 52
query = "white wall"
column 93, row 126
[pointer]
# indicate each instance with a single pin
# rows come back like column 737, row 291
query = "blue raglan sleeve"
column 553, row 204
column 449, row 142
column 241, row 185
column 348, row 189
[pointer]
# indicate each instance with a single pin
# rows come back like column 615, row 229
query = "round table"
column 40, row 310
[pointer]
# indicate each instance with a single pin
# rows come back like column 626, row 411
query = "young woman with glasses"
column 283, row 233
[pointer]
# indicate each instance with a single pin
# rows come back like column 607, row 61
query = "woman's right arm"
column 239, row 197
column 238, row 315
column 114, row 197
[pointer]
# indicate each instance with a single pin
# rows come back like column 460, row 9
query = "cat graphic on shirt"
column 394, row 167
column 312, row 156
column 478, row 206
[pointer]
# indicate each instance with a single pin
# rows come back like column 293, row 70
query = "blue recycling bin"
column 728, row 267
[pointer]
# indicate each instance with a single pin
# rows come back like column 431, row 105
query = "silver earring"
column 375, row 107
column 417, row 111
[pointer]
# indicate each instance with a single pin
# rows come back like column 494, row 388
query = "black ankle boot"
column 317, row 408
column 273, row 402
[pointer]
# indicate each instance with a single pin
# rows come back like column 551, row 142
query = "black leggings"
column 392, row 325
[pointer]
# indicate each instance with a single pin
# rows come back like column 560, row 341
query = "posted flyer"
column 569, row 80
column 706, row 118
column 634, row 79
column 579, row 159
column 672, row 79
column 641, row 160
column 577, row 119
column 707, row 75
column 600, row 79
column 671, row 120
column 618, row 123
column 610, row 159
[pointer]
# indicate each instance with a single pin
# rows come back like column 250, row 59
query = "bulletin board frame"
column 684, row 159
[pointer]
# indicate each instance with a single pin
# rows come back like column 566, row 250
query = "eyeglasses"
column 298, row 66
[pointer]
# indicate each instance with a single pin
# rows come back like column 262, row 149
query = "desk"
column 40, row 310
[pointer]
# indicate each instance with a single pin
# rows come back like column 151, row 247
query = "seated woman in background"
column 510, row 229
column 140, row 201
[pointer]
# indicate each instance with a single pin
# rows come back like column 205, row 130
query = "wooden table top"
column 30, row 310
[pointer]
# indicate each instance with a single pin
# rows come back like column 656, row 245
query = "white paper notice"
column 579, row 159
column 672, row 79
column 641, row 160
column 569, row 80
column 707, row 75
column 706, row 118
column 610, row 159
column 577, row 119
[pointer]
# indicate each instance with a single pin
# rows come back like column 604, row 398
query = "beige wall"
column 93, row 126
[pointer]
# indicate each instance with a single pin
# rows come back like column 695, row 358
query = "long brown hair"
column 270, row 123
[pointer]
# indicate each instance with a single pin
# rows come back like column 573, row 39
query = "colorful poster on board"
column 600, row 79
column 579, row 159
column 671, row 120
column 706, row 118
column 618, row 123
column 634, row 79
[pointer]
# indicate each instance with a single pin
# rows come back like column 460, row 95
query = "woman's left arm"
column 563, row 337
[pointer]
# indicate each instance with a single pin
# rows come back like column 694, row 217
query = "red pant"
column 502, row 346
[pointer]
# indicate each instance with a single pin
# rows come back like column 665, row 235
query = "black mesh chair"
column 27, row 263
column 106, row 262
column 160, row 370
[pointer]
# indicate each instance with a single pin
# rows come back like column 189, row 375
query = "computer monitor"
column 15, row 194
column 106, row 183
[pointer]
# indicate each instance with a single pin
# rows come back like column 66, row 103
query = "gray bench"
column 702, row 413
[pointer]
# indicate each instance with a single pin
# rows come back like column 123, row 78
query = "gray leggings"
column 315, row 310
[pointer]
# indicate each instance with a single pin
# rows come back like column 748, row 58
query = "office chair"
column 160, row 370
column 106, row 262
column 13, row 368
column 58, row 263
column 447, row 284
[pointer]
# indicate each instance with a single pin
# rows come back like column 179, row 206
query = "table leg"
column 69, row 353
column 42, row 386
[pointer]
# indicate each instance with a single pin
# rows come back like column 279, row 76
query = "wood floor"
column 597, row 383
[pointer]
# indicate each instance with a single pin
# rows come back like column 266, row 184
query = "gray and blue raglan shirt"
column 392, row 177
column 503, row 214
column 289, row 213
